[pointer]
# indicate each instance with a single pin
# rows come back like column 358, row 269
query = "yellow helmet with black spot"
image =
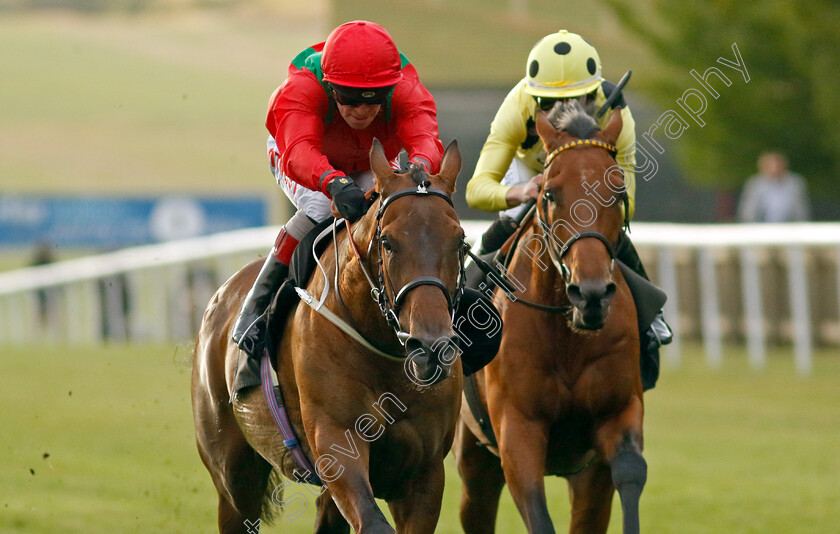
column 562, row 65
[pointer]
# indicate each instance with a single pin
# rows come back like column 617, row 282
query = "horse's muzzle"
column 430, row 361
column 591, row 300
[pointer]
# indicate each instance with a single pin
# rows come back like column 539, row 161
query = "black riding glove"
column 348, row 197
column 405, row 166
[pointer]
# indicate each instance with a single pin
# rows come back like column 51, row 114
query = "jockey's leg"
column 249, row 331
column 478, row 325
column 659, row 332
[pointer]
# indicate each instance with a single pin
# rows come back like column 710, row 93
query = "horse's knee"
column 629, row 469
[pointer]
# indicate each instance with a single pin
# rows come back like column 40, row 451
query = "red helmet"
column 361, row 54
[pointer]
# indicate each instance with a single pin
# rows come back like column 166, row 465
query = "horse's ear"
column 382, row 171
column 545, row 129
column 610, row 134
column 450, row 166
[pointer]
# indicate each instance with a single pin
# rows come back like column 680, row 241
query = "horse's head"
column 419, row 245
column 580, row 207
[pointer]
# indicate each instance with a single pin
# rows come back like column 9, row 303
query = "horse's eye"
column 386, row 245
column 549, row 196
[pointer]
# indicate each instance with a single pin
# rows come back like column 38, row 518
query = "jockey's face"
column 358, row 116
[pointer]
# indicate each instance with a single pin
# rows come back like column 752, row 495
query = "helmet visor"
column 356, row 96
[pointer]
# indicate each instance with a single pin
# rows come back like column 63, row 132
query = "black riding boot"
column 249, row 331
column 490, row 241
column 658, row 333
column 496, row 234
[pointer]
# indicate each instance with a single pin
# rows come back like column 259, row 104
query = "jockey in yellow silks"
column 561, row 66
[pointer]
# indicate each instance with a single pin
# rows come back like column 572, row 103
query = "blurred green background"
column 131, row 96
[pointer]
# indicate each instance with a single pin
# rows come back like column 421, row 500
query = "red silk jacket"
column 316, row 144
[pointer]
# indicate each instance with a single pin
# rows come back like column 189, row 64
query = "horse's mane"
column 570, row 115
column 418, row 174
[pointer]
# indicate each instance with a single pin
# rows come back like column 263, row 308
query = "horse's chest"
column 570, row 444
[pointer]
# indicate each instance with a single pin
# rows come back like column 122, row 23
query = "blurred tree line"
column 791, row 50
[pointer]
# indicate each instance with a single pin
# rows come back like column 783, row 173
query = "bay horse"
column 372, row 427
column 564, row 393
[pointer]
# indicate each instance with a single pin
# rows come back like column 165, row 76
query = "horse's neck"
column 362, row 310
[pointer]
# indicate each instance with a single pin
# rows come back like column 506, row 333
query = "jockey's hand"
column 520, row 194
column 420, row 162
column 349, row 200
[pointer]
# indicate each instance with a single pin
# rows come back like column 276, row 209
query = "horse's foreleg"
column 522, row 446
column 591, row 492
column 419, row 510
column 343, row 467
column 620, row 440
column 483, row 480
column 329, row 519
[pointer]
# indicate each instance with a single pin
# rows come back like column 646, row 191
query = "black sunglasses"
column 545, row 103
column 347, row 96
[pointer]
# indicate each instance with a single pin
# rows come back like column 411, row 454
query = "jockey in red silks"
column 338, row 96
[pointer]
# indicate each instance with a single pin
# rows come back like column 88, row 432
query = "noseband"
column 389, row 307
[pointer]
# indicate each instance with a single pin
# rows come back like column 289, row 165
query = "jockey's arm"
column 507, row 132
column 415, row 114
column 296, row 115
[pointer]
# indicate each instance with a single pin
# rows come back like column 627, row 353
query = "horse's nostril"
column 413, row 344
column 587, row 294
column 609, row 292
column 573, row 290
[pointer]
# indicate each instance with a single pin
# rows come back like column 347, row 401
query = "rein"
column 389, row 307
column 318, row 305
column 379, row 292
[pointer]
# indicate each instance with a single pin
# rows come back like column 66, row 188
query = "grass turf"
column 101, row 440
column 142, row 104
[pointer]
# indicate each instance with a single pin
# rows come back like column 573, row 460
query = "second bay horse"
column 564, row 394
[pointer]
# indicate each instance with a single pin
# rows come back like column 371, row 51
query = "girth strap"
column 478, row 411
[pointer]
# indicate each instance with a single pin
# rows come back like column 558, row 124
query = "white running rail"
column 756, row 284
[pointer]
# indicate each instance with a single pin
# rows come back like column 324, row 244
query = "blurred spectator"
column 774, row 195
